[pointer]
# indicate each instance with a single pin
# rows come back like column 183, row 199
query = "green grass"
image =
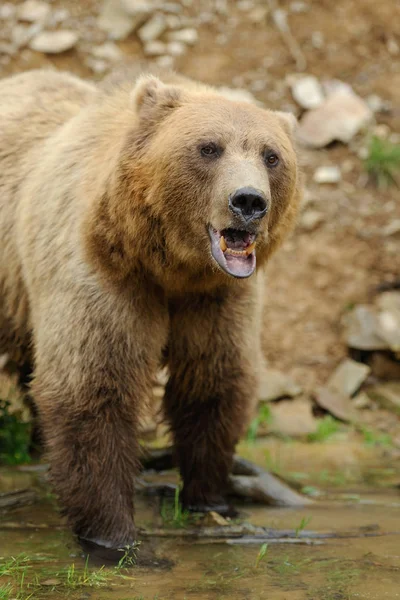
column 327, row 427
column 5, row 592
column 173, row 515
column 261, row 554
column 264, row 417
column 14, row 437
column 374, row 438
column 302, row 525
column 383, row 162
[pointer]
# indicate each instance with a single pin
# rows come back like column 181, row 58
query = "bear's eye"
column 209, row 150
column 271, row 159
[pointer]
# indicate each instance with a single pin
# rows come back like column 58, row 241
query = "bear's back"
column 32, row 106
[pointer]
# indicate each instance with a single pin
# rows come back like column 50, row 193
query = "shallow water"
column 367, row 566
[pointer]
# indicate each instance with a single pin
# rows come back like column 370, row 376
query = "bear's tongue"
column 234, row 251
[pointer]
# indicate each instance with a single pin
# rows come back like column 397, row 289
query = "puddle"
column 48, row 564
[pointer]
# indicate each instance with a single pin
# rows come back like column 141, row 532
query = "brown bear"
column 131, row 222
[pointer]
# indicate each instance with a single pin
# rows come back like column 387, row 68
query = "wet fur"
column 105, row 263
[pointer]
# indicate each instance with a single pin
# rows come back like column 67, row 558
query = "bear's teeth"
column 222, row 243
column 250, row 248
column 236, row 252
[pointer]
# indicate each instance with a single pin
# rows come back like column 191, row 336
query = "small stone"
column 7, row 11
column 293, row 417
column 348, row 377
column 386, row 395
column 340, row 117
column 59, row 15
column 361, row 400
column 166, row 62
column 389, row 319
column 392, row 229
column 361, row 329
column 176, row 48
column 172, row 7
column 21, row 34
column 173, row 21
column 310, row 219
column 317, row 40
column 245, row 5
column 155, row 48
column 51, row 582
column 339, row 405
column 108, row 51
column 307, row 91
column 274, row 385
column 54, row 42
column 375, row 103
column 153, row 28
column 299, row 7
column 33, row 11
column 213, row 519
column 120, row 18
column 96, row 65
column 328, row 174
column 393, row 47
column 238, row 95
column 186, row 36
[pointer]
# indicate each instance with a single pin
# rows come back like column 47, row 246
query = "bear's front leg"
column 213, row 377
column 95, row 357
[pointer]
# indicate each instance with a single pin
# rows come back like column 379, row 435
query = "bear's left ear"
column 289, row 122
column 150, row 93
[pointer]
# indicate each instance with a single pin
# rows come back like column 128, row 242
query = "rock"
column 337, row 404
column 310, row 219
column 165, row 62
column 108, row 51
column 361, row 328
column 153, row 28
column 293, row 417
column 121, row 17
column 340, row 117
column 361, row 400
column 155, row 48
column 307, row 91
column 274, row 384
column 33, row 11
column 186, row 36
column 389, row 319
column 54, row 42
column 299, row 7
column 386, row 395
column 7, row 11
column 96, row 65
column 21, row 34
column 238, row 95
column 328, row 174
column 393, row 229
column 348, row 377
column 51, row 582
column 213, row 518
column 176, row 48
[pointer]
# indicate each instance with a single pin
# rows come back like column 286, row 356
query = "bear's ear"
column 288, row 121
column 150, row 92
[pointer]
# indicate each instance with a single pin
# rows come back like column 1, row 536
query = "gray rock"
column 176, row 48
column 7, row 11
column 311, row 219
column 340, row 117
column 107, row 51
column 33, row 11
column 153, row 28
column 54, row 42
column 392, row 229
column 389, row 319
column 348, row 377
column 274, row 384
column 155, row 48
column 327, row 174
column 361, row 327
column 185, row 36
column 120, row 18
column 337, row 404
column 386, row 395
column 293, row 417
column 307, row 91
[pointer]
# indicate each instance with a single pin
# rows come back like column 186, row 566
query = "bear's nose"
column 248, row 203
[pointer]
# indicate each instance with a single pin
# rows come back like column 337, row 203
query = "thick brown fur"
column 105, row 202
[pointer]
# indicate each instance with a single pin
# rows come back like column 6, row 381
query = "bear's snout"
column 248, row 203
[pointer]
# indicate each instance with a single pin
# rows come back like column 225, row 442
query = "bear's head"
column 216, row 179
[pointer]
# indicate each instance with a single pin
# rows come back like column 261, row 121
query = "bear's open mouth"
column 234, row 251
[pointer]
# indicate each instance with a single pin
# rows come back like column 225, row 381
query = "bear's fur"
column 106, row 197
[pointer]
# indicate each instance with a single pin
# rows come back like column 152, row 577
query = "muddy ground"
column 319, row 273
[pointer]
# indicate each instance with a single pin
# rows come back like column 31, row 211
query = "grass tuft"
column 327, row 427
column 264, row 417
column 383, row 162
column 14, row 437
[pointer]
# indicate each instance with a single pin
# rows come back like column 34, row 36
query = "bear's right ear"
column 150, row 93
